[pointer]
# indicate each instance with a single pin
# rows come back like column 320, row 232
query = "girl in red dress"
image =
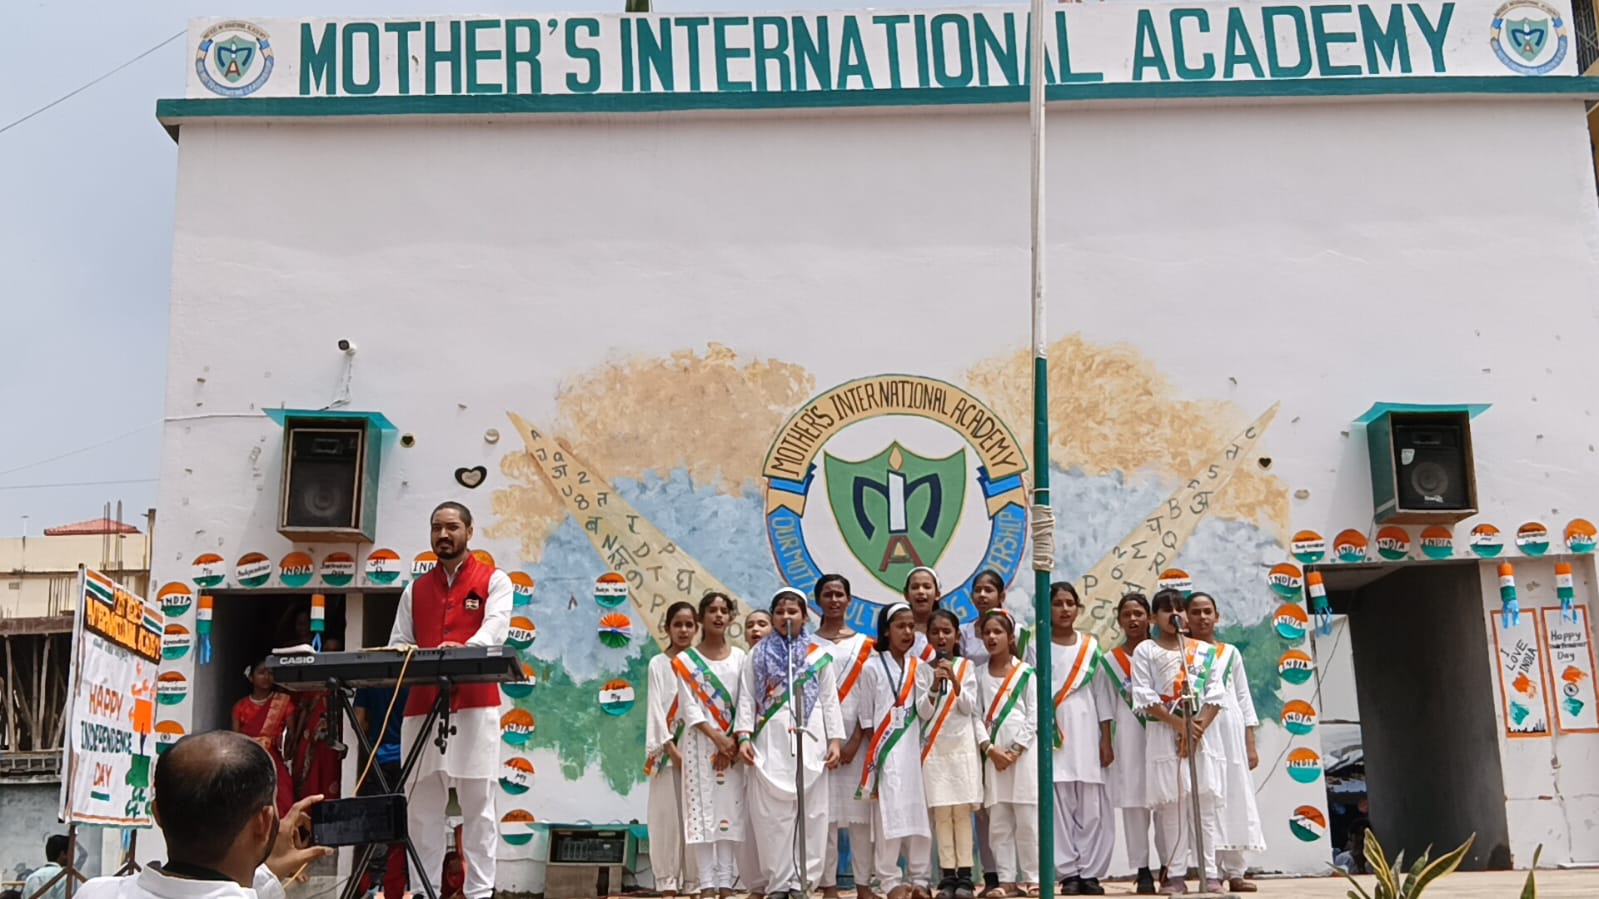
column 266, row 716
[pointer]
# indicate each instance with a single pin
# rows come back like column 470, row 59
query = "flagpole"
column 1043, row 523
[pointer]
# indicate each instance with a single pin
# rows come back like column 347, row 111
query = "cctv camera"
column 346, row 346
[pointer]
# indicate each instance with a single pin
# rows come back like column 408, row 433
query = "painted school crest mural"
column 880, row 475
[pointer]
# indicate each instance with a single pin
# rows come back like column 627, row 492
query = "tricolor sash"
column 659, row 759
column 1224, row 661
column 1078, row 674
column 1010, row 692
column 1118, row 664
column 1199, row 661
column 716, row 698
column 941, row 709
column 847, row 685
column 884, row 739
column 816, row 660
column 1022, row 642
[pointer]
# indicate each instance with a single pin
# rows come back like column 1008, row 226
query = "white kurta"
column 713, row 801
column 901, row 800
column 474, row 751
column 1238, row 818
column 665, row 813
column 844, row 809
column 773, row 803
column 1156, row 679
column 922, row 649
column 1017, row 784
column 952, row 772
column 1078, row 715
column 1125, row 777
column 152, row 883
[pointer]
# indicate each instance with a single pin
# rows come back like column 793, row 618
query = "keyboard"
column 381, row 667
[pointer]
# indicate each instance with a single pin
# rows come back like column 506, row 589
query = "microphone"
column 941, row 656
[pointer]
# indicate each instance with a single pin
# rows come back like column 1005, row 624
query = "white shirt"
column 40, row 877
column 152, row 883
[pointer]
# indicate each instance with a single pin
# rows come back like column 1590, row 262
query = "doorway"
column 1428, row 748
column 245, row 627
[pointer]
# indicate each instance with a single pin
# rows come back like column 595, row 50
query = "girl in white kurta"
column 1164, row 670
column 1010, row 790
column 770, row 728
column 1085, row 832
column 757, row 624
column 894, row 695
column 1125, row 777
column 850, row 652
column 663, row 731
column 951, row 770
column 988, row 594
column 922, row 592
column 713, row 786
column 1238, row 827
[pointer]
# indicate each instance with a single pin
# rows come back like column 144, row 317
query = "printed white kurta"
column 665, row 814
column 901, row 799
column 1017, row 784
column 952, row 771
column 1077, row 716
column 1157, row 677
column 850, row 656
column 773, row 803
column 1125, row 777
column 713, row 801
column 1238, row 818
column 474, row 751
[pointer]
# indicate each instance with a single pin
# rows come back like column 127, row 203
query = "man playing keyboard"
column 461, row 602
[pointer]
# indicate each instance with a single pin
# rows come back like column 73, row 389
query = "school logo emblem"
column 1529, row 37
column 234, row 59
column 879, row 475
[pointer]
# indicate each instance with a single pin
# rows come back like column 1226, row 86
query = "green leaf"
column 1530, row 890
column 1415, row 871
column 1378, row 861
column 1442, row 866
column 1359, row 892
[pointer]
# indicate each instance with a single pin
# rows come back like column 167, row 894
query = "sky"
column 86, row 206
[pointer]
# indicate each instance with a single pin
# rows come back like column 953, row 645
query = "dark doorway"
column 245, row 627
column 1422, row 670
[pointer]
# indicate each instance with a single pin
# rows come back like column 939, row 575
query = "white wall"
column 1325, row 255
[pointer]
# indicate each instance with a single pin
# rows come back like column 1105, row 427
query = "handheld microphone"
column 941, row 656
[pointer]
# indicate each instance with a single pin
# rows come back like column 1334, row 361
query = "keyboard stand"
column 440, row 714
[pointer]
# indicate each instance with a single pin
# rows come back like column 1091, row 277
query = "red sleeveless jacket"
column 442, row 612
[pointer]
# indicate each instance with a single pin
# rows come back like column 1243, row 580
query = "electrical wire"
column 394, row 698
column 78, row 90
column 78, row 484
column 107, row 442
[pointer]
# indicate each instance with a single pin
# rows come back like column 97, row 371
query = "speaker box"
column 1422, row 471
column 329, row 488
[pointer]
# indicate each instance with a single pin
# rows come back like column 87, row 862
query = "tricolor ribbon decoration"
column 1318, row 603
column 202, row 628
column 1565, row 591
column 319, row 619
column 1507, row 596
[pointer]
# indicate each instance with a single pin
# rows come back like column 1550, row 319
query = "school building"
column 679, row 302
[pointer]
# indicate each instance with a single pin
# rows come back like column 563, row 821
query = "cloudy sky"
column 86, row 200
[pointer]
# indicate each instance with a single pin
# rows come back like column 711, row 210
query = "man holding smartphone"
column 461, row 602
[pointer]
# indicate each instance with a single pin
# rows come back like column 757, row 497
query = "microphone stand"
column 799, row 767
column 1191, row 706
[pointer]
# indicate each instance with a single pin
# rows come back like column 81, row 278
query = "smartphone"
column 359, row 821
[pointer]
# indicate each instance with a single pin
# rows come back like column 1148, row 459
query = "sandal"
column 1030, row 890
column 994, row 893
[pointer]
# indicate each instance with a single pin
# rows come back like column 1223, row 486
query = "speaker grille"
column 1432, row 465
column 324, row 476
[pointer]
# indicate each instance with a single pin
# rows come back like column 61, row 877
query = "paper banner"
column 1521, row 677
column 1568, row 659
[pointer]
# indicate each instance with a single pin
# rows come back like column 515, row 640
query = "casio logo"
column 296, row 660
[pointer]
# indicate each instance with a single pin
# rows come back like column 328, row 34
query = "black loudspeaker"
column 1422, row 468
column 329, row 480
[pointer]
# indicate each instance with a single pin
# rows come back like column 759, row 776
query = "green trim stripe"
column 568, row 104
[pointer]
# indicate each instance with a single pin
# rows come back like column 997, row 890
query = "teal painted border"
column 174, row 111
column 1378, row 410
column 377, row 419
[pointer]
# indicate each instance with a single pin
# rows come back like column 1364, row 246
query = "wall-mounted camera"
column 346, row 346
